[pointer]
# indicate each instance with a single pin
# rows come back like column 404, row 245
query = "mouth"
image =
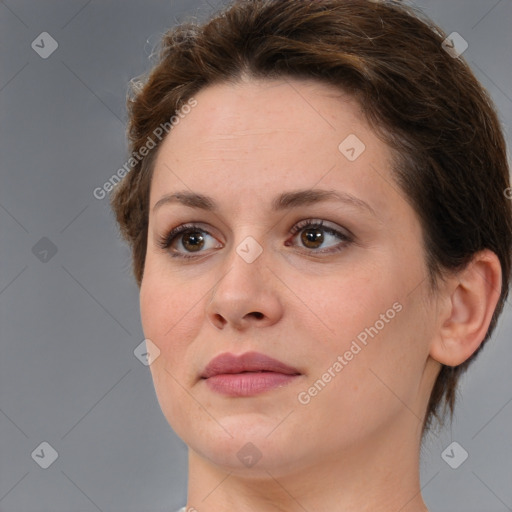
column 249, row 374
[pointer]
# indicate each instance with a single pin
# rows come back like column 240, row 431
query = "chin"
column 252, row 459
column 256, row 446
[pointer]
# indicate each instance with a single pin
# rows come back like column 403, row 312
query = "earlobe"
column 470, row 299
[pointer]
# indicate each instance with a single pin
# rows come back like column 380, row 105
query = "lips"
column 249, row 362
column 247, row 375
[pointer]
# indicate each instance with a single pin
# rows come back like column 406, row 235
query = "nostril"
column 220, row 319
column 257, row 314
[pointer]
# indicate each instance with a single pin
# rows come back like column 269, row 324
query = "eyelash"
column 165, row 241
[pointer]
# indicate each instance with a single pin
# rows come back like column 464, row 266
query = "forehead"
column 259, row 137
column 254, row 109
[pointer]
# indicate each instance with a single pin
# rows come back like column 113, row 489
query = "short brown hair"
column 423, row 102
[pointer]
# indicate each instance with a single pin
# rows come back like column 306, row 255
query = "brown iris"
column 312, row 236
column 193, row 241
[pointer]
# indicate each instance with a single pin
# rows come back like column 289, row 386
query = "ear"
column 468, row 304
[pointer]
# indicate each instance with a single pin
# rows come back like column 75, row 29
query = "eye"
column 313, row 234
column 189, row 237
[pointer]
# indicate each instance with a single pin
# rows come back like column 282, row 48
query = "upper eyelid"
column 304, row 223
column 320, row 223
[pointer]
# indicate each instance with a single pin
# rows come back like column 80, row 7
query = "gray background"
column 69, row 325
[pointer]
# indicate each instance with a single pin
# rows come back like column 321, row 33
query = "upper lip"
column 248, row 362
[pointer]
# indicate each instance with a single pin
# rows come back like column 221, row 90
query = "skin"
column 355, row 446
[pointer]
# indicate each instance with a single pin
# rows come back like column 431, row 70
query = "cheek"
column 168, row 307
column 169, row 315
column 380, row 332
column 374, row 382
column 169, row 311
column 350, row 302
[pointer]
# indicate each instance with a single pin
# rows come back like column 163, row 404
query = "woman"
column 321, row 234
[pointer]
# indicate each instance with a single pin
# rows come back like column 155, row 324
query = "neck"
column 377, row 475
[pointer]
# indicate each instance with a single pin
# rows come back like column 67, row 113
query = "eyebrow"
column 284, row 201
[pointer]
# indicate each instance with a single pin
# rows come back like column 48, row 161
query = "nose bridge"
column 244, row 268
column 244, row 292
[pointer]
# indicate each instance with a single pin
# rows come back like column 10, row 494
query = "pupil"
column 193, row 241
column 309, row 236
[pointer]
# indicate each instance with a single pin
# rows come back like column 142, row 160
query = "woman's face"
column 345, row 303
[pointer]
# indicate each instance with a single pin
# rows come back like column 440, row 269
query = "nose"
column 246, row 295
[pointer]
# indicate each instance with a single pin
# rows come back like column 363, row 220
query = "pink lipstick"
column 248, row 374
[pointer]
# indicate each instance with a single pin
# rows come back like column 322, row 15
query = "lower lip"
column 249, row 383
